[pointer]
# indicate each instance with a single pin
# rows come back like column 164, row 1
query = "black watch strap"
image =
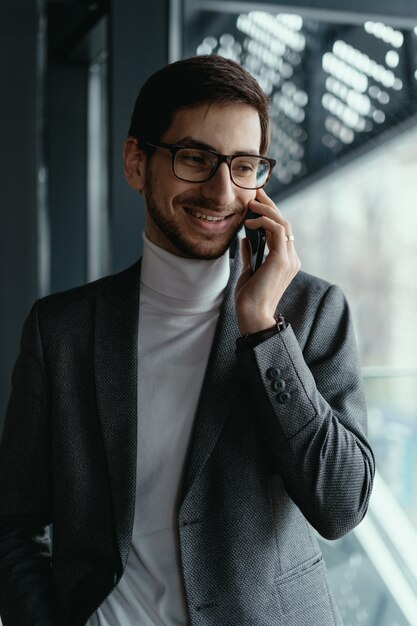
column 250, row 341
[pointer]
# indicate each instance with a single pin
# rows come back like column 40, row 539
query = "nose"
column 220, row 188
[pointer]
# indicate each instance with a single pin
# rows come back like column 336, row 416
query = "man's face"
column 175, row 209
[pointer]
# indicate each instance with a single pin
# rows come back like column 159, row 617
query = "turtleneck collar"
column 187, row 280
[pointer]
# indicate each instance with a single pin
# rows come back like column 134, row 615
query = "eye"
column 245, row 166
column 193, row 158
column 196, row 158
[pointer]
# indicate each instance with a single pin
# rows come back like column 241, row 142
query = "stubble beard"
column 207, row 248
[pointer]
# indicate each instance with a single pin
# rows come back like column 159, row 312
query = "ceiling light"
column 392, row 58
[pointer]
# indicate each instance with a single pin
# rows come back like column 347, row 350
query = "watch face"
column 281, row 323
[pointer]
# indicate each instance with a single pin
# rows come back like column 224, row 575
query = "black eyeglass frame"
column 221, row 158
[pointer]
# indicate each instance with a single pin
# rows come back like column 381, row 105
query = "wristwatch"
column 253, row 339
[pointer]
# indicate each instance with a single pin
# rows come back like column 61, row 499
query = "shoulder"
column 309, row 299
column 102, row 285
column 310, row 290
column 78, row 303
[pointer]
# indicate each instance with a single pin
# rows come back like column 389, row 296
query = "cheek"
column 183, row 193
column 247, row 196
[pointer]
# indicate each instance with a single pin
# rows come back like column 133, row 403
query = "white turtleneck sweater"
column 180, row 302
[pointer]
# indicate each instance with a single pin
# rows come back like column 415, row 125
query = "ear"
column 134, row 160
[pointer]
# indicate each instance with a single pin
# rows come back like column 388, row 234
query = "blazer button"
column 278, row 384
column 284, row 397
column 272, row 373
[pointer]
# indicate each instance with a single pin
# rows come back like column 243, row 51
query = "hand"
column 258, row 294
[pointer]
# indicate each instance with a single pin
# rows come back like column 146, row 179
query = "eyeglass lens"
column 195, row 165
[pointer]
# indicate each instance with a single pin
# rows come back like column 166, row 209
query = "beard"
column 209, row 246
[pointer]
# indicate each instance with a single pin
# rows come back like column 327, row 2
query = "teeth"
column 206, row 218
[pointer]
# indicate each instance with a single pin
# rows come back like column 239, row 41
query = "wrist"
column 251, row 340
column 251, row 326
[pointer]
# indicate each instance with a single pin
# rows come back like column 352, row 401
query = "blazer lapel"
column 220, row 384
column 115, row 358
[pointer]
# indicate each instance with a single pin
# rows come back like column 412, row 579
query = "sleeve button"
column 272, row 373
column 284, row 397
column 278, row 384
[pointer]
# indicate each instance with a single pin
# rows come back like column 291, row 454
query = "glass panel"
column 373, row 570
column 98, row 262
column 358, row 228
column 334, row 88
column 337, row 91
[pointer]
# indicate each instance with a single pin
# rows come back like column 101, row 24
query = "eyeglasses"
column 195, row 165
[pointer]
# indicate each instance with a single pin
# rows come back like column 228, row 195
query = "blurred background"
column 342, row 80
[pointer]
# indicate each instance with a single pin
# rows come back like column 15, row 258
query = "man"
column 184, row 425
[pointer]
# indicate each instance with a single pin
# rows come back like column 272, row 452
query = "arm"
column 26, row 587
column 318, row 436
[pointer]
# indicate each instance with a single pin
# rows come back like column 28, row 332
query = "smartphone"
column 257, row 239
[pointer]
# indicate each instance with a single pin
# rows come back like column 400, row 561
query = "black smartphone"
column 257, row 239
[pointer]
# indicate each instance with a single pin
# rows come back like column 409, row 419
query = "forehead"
column 227, row 128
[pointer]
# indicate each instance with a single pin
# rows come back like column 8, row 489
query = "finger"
column 290, row 239
column 274, row 231
column 262, row 196
column 246, row 248
column 269, row 209
column 276, row 237
column 269, row 224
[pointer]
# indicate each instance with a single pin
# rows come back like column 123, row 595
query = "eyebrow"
column 194, row 143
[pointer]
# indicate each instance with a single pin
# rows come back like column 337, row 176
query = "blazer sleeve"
column 27, row 596
column 314, row 416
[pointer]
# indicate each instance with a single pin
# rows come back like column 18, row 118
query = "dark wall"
column 137, row 45
column 66, row 157
column 18, row 172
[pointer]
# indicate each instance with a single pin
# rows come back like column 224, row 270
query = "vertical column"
column 138, row 46
column 19, row 260
column 67, row 170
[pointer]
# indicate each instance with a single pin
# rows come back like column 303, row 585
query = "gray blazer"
column 279, row 448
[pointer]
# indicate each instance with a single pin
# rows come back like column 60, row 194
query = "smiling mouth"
column 206, row 218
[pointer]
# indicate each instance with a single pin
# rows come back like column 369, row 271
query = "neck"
column 183, row 278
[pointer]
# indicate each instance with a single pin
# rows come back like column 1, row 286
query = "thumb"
column 246, row 249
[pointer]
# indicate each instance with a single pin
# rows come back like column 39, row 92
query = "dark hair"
column 189, row 82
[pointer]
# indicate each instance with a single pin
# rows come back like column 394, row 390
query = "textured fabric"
column 264, row 466
column 197, row 283
column 181, row 299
